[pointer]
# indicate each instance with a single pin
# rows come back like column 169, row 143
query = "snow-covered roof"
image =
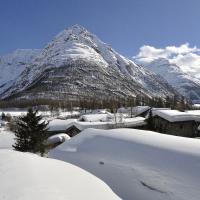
column 62, row 125
column 153, row 109
column 96, row 117
column 140, row 109
column 133, row 122
column 99, row 111
column 69, row 114
column 58, row 138
column 137, row 164
column 127, row 122
column 59, row 124
column 193, row 112
column 14, row 113
column 196, row 105
column 175, row 115
column 26, row 176
column 122, row 110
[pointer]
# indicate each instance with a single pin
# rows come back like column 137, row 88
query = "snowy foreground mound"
column 136, row 164
column 26, row 176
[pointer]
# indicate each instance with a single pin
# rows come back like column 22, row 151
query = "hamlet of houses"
column 163, row 120
column 98, row 121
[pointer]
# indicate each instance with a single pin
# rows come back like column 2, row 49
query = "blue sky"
column 125, row 24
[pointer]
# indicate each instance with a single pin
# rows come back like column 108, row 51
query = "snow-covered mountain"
column 76, row 63
column 186, row 84
column 12, row 65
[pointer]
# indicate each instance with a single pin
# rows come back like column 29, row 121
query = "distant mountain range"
column 13, row 64
column 78, row 64
column 186, row 84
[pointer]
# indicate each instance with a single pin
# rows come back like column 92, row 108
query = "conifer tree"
column 182, row 104
column 30, row 133
column 167, row 102
column 149, row 121
column 3, row 116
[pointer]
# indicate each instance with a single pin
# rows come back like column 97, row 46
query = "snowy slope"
column 137, row 164
column 77, row 63
column 186, row 84
column 12, row 65
column 26, row 176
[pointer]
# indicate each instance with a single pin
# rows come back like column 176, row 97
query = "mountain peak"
column 74, row 33
column 76, row 27
column 75, row 30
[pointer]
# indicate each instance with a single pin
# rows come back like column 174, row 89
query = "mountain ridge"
column 77, row 62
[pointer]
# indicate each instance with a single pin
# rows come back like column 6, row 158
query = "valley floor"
column 104, row 164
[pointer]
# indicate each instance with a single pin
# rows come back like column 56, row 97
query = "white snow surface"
column 6, row 139
column 137, row 164
column 26, row 176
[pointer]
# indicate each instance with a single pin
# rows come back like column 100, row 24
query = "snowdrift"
column 136, row 164
column 26, row 176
